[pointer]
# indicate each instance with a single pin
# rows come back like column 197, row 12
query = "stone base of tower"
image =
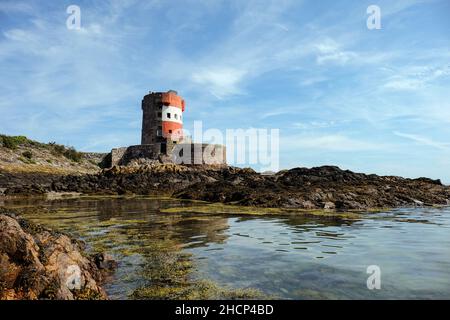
column 183, row 153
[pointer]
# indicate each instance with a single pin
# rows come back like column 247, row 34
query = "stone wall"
column 185, row 153
column 117, row 155
column 198, row 153
column 122, row 156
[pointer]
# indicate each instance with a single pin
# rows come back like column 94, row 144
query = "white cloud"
column 340, row 57
column 314, row 124
column 332, row 142
column 15, row 7
column 393, row 7
column 424, row 140
column 220, row 81
column 416, row 77
column 313, row 80
column 330, row 51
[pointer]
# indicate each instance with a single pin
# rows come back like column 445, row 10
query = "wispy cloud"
column 331, row 143
column 331, row 51
column 11, row 7
column 424, row 140
column 310, row 68
column 417, row 77
column 220, row 82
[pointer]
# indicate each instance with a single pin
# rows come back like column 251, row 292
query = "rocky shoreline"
column 325, row 187
column 38, row 263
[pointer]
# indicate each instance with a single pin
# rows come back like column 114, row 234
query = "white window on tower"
column 176, row 116
column 168, row 115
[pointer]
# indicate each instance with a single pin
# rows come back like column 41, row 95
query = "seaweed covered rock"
column 326, row 187
column 37, row 263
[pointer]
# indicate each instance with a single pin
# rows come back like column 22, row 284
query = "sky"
column 373, row 101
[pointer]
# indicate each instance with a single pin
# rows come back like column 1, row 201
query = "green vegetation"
column 228, row 209
column 68, row 152
column 168, row 272
column 12, row 142
column 27, row 161
column 27, row 154
column 73, row 154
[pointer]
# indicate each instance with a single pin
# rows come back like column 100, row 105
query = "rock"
column 308, row 205
column 36, row 263
column 295, row 188
column 104, row 261
column 329, row 206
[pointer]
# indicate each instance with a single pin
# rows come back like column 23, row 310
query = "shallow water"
column 291, row 257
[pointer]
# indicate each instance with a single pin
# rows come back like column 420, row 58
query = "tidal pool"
column 166, row 244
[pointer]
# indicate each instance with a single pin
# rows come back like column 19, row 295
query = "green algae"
column 169, row 275
column 164, row 270
column 225, row 209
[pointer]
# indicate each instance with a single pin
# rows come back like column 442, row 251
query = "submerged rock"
column 104, row 261
column 37, row 263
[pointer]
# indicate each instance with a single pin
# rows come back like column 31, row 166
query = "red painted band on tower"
column 172, row 99
column 172, row 129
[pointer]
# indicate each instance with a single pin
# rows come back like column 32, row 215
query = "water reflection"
column 293, row 257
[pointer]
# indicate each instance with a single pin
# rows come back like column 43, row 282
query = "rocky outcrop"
column 37, row 263
column 324, row 187
column 321, row 188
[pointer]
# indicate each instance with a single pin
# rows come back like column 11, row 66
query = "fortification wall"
column 123, row 156
column 185, row 153
column 198, row 154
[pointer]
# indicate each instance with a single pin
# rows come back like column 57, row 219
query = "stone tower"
column 162, row 119
column 162, row 137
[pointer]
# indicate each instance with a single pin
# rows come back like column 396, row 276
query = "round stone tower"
column 162, row 119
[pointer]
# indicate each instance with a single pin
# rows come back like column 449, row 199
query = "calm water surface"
column 289, row 257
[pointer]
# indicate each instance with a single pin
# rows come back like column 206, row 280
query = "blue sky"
column 375, row 101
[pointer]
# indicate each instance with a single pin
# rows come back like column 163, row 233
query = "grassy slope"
column 22, row 155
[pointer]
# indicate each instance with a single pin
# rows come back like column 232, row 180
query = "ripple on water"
column 292, row 257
